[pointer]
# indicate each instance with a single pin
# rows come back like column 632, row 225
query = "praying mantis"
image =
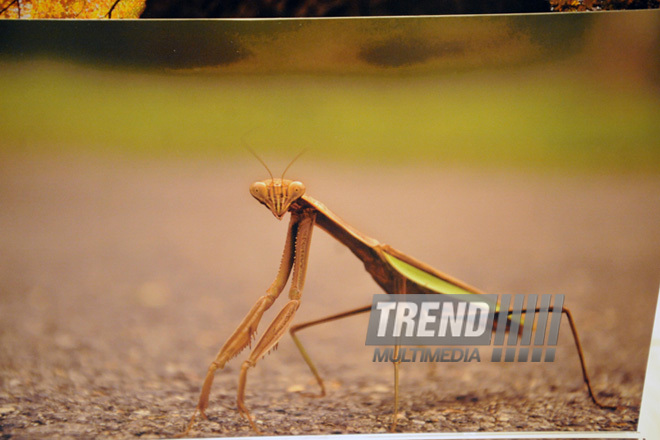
column 394, row 271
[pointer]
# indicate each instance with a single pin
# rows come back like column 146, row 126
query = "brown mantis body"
column 281, row 196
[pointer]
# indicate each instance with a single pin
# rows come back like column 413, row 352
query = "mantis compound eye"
column 259, row 190
column 296, row 189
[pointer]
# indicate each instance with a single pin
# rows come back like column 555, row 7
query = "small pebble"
column 7, row 409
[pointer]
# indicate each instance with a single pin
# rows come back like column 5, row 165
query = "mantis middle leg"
column 401, row 288
column 308, row 360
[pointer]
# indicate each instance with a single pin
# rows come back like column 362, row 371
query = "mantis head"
column 277, row 194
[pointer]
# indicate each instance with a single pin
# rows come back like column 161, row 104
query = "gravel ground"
column 119, row 281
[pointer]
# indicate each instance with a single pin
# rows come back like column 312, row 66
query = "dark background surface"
column 333, row 8
column 343, row 8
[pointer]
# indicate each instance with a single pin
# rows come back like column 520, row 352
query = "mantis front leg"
column 295, row 249
column 282, row 321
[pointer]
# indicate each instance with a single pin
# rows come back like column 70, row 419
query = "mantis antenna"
column 262, row 162
column 291, row 163
column 266, row 166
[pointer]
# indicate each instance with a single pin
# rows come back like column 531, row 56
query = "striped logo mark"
column 525, row 338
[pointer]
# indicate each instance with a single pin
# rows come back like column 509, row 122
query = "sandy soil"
column 119, row 281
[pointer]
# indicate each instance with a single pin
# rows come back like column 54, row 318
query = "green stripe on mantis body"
column 433, row 282
column 424, row 278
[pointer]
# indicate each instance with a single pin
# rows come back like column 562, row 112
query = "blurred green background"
column 576, row 91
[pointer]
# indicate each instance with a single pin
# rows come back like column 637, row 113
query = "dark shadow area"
column 333, row 8
column 142, row 45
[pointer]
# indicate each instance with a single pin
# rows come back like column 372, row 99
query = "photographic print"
column 177, row 196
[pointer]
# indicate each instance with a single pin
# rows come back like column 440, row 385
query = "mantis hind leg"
column 583, row 365
column 580, row 352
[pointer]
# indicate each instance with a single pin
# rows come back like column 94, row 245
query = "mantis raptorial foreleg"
column 268, row 341
column 246, row 330
column 282, row 321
